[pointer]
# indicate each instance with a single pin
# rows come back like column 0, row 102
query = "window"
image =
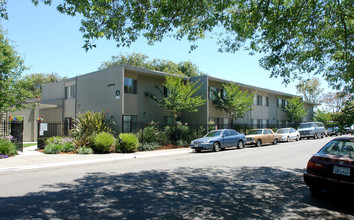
column 69, row 92
column 282, row 103
column 211, row 92
column 260, row 123
column 129, row 123
column 261, row 100
column 130, row 86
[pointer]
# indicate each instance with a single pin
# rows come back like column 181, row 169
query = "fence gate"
column 17, row 134
column 46, row 130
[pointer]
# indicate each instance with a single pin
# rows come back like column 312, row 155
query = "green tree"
column 310, row 89
column 180, row 96
column 35, row 81
column 346, row 115
column 322, row 116
column 233, row 101
column 295, row 110
column 184, row 68
column 12, row 88
column 295, row 37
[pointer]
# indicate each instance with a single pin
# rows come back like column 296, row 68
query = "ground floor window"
column 129, row 123
column 169, row 120
column 68, row 125
column 260, row 123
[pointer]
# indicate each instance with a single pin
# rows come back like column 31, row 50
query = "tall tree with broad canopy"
column 35, row 82
column 296, row 38
column 180, row 96
column 233, row 101
column 310, row 89
column 295, row 110
column 12, row 88
column 185, row 68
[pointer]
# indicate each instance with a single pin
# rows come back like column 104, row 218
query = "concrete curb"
column 29, row 162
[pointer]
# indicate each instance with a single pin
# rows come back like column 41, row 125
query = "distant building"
column 120, row 90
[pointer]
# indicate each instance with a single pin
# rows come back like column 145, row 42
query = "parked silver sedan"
column 288, row 134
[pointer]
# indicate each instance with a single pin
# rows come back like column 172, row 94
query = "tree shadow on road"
column 184, row 193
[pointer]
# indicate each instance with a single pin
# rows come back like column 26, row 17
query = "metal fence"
column 46, row 130
column 187, row 131
column 15, row 129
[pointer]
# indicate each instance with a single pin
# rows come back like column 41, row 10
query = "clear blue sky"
column 51, row 42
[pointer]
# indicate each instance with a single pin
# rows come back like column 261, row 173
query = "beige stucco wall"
column 148, row 110
column 29, row 123
column 53, row 91
column 201, row 116
column 53, row 115
column 97, row 92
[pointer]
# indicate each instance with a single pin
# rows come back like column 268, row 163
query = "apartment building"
column 120, row 91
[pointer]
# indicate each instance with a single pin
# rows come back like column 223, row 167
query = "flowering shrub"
column 3, row 156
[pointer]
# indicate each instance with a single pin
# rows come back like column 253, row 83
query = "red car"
column 332, row 168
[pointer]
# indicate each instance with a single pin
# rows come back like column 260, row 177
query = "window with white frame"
column 70, row 92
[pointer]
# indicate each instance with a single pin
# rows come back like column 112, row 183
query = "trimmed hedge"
column 127, row 143
column 103, row 142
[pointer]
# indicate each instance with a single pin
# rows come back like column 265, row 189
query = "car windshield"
column 213, row 134
column 282, row 131
column 255, row 132
column 310, row 125
column 343, row 148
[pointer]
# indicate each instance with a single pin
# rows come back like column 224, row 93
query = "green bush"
column 85, row 150
column 179, row 132
column 7, row 147
column 127, row 143
column 148, row 146
column 103, row 142
column 152, row 134
column 87, row 124
column 68, row 147
column 54, row 140
column 53, row 149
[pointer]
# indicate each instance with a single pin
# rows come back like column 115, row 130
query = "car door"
column 270, row 136
column 235, row 137
column 227, row 139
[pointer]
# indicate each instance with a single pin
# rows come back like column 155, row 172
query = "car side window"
column 233, row 132
column 226, row 133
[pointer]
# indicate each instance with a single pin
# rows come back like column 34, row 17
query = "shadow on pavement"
column 184, row 193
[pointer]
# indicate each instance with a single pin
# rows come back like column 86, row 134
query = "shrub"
column 179, row 132
column 103, row 142
column 148, row 146
column 54, row 140
column 7, row 147
column 152, row 134
column 127, row 143
column 85, row 150
column 53, row 149
column 68, row 147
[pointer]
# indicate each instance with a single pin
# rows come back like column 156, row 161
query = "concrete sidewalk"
column 30, row 158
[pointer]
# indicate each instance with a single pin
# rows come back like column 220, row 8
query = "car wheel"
column 240, row 144
column 259, row 143
column 198, row 151
column 322, row 135
column 216, row 147
column 287, row 139
column 297, row 138
column 315, row 191
column 275, row 141
column 315, row 136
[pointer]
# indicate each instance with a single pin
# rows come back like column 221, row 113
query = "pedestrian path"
column 30, row 158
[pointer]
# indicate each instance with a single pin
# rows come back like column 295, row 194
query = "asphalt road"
column 250, row 183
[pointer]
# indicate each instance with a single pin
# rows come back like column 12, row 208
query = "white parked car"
column 288, row 134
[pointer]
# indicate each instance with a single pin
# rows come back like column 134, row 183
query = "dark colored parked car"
column 218, row 140
column 332, row 168
column 333, row 131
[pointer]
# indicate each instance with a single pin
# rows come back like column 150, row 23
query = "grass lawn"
column 29, row 144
